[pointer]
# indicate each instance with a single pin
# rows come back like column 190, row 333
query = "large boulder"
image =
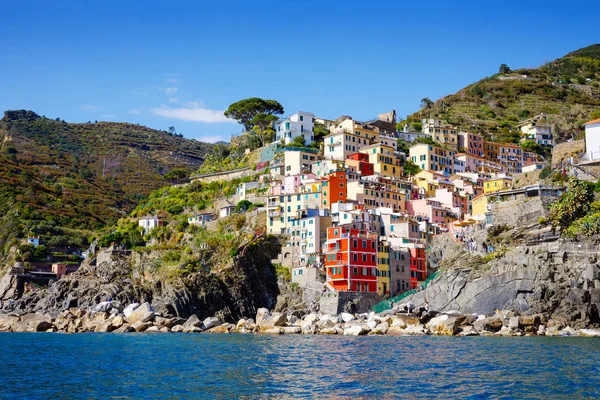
column 32, row 323
column 141, row 326
column 7, row 322
column 269, row 321
column 347, row 317
column 210, row 322
column 443, row 325
column 491, row 324
column 192, row 321
column 356, row 330
column 144, row 313
column 129, row 309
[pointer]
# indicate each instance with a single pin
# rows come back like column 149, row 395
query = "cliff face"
column 538, row 273
column 235, row 292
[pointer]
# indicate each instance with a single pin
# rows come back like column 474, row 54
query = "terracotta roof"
column 596, row 121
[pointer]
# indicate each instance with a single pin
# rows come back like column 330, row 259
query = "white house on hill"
column 299, row 124
column 592, row 141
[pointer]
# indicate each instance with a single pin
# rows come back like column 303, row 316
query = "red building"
column 351, row 259
column 418, row 265
column 360, row 163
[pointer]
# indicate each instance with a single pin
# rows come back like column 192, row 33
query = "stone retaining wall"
column 562, row 151
column 517, row 212
column 223, row 176
column 335, row 302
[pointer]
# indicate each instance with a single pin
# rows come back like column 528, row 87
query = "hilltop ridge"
column 568, row 88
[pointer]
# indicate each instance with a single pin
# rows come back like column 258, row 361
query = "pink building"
column 430, row 209
column 472, row 143
column 59, row 269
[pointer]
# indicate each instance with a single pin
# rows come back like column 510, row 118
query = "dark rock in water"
column 236, row 292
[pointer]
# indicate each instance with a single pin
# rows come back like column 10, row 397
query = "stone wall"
column 355, row 302
column 223, row 176
column 526, row 179
column 562, row 151
column 518, row 212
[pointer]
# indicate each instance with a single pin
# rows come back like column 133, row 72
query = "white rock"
column 590, row 332
column 143, row 313
column 356, row 330
column 129, row 309
column 346, row 317
column 513, row 322
column 153, row 329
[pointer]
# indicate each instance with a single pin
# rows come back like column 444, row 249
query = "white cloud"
column 170, row 90
column 90, row 108
column 173, row 100
column 195, row 104
column 172, row 80
column 134, row 111
column 195, row 114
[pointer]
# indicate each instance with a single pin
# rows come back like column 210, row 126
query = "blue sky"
column 161, row 63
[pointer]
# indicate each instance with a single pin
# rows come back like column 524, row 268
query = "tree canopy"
column 262, row 126
column 504, row 69
column 245, row 110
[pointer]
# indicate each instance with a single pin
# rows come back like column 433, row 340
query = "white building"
column 298, row 124
column 242, row 190
column 339, row 145
column 537, row 129
column 592, row 141
column 200, row 219
column 226, row 210
column 309, row 232
column 149, row 223
column 297, row 162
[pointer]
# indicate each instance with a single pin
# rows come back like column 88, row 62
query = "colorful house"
column 351, row 260
column 498, row 184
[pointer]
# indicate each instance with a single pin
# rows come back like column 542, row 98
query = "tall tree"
column 504, row 69
column 245, row 110
column 262, row 126
column 426, row 102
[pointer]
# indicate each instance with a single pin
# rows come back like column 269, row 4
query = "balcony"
column 274, row 213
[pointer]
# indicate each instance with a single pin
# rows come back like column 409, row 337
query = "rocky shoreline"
column 107, row 317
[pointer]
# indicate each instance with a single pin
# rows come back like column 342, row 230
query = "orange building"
column 351, row 260
column 334, row 188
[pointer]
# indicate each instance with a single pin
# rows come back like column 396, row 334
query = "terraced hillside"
column 56, row 177
column 567, row 88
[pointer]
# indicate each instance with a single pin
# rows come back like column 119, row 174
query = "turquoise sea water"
column 257, row 366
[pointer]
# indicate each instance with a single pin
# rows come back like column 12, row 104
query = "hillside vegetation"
column 61, row 180
column 568, row 88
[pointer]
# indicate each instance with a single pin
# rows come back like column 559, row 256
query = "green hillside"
column 568, row 88
column 59, row 178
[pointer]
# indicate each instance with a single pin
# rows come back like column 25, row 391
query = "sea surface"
column 170, row 366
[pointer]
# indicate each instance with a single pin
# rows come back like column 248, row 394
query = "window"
column 355, row 257
column 364, row 244
column 364, row 258
column 355, row 271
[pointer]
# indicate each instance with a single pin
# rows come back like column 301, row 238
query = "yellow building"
column 433, row 158
column 383, row 159
column 495, row 185
column 441, row 132
column 479, row 207
column 383, row 269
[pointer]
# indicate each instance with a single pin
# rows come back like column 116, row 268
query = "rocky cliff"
column 533, row 271
column 124, row 277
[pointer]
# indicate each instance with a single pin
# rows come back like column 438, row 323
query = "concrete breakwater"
column 396, row 322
